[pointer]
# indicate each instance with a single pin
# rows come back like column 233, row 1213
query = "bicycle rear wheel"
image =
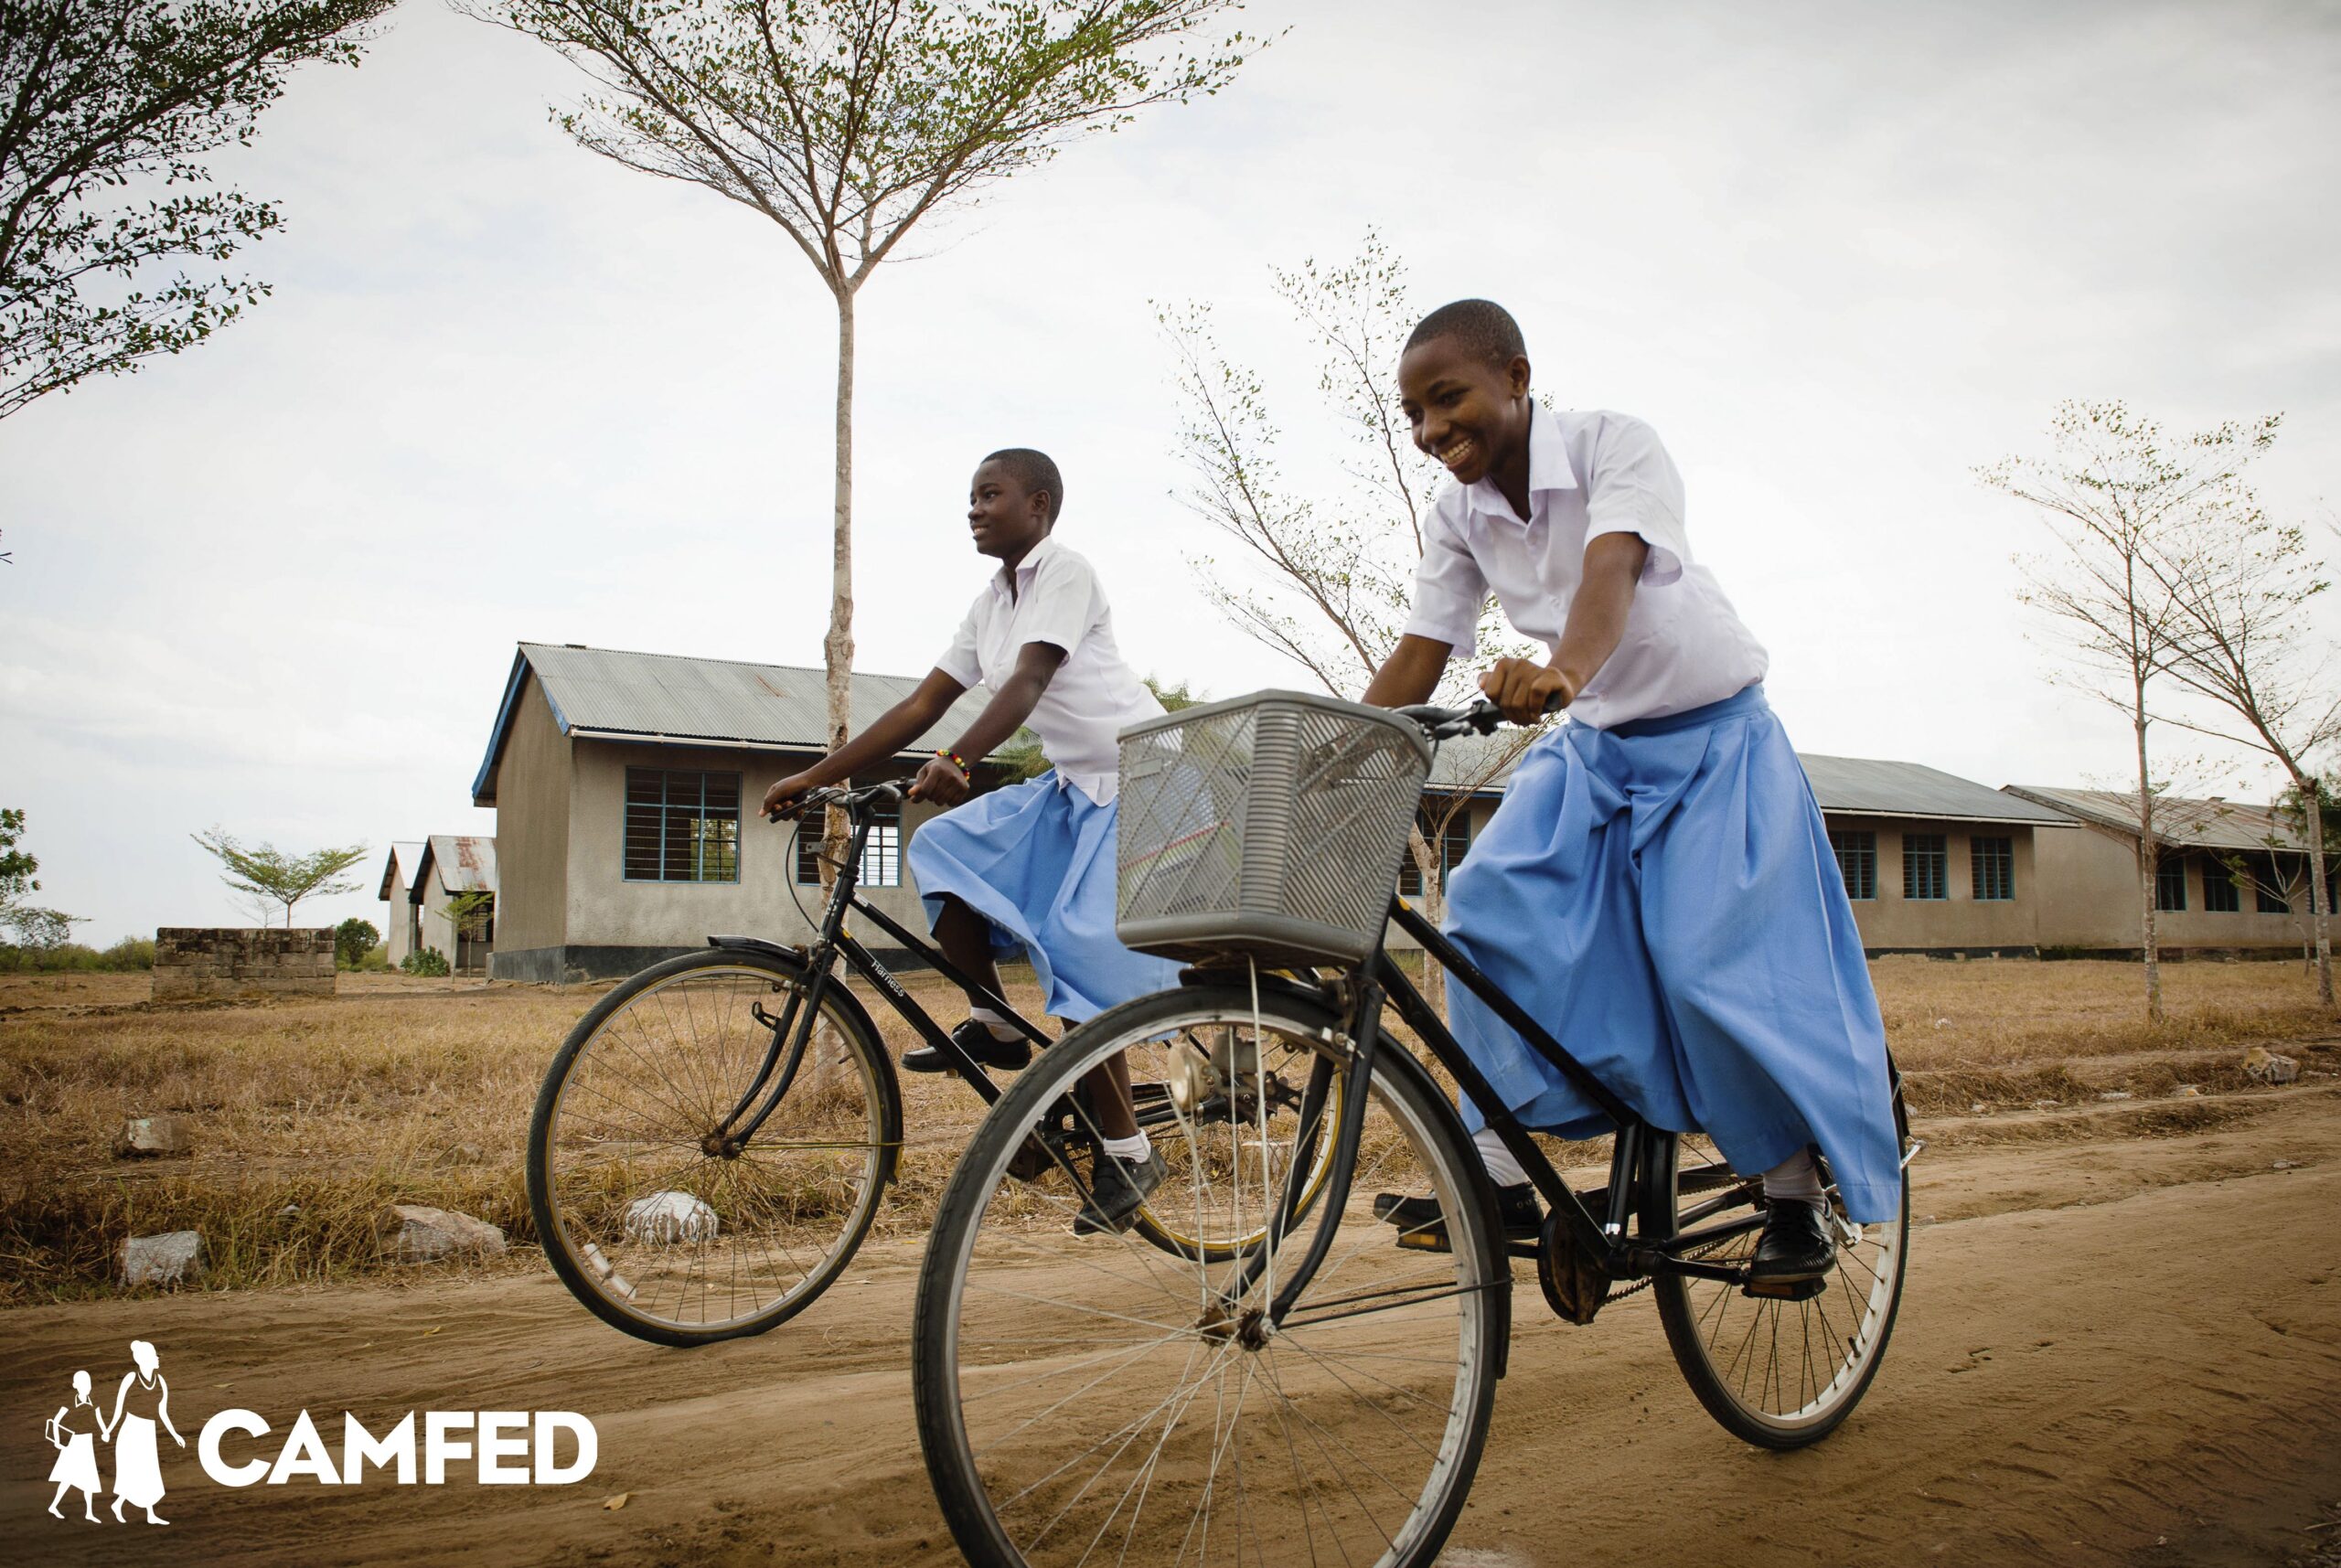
column 658, row 1223
column 1777, row 1373
column 1088, row 1397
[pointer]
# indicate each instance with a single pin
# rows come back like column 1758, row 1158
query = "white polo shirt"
column 1092, row 695
column 1589, row 474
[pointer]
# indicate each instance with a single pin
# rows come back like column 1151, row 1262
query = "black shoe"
column 976, row 1041
column 1423, row 1227
column 1117, row 1188
column 1796, row 1245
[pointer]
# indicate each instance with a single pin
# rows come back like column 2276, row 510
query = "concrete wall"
column 611, row 926
column 232, row 961
column 2092, row 903
column 532, row 792
column 1892, row 924
column 400, row 922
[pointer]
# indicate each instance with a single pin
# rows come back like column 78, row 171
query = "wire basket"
column 1270, row 825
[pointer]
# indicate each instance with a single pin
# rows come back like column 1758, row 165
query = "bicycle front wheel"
column 1101, row 1396
column 654, row 1209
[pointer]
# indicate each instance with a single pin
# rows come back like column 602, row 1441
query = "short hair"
column 1034, row 471
column 1480, row 327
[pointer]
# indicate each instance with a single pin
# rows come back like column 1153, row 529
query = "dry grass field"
column 310, row 1115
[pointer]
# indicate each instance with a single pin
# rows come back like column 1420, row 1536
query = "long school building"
column 626, row 783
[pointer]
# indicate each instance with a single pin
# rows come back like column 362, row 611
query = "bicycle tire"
column 980, row 1250
column 619, row 1257
column 1735, row 1371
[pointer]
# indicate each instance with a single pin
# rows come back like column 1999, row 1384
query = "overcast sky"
column 1836, row 255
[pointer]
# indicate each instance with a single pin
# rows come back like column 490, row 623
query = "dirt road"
column 2117, row 1346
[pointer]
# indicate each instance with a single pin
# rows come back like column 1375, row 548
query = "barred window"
column 1454, row 843
column 1857, row 862
column 2273, row 887
column 681, row 827
column 2170, row 882
column 1992, row 863
column 1926, row 865
column 881, row 853
column 2220, row 894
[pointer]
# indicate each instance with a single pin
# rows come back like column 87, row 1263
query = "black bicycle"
column 1323, row 1393
column 712, row 1140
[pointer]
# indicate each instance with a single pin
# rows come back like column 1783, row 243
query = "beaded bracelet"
column 956, row 760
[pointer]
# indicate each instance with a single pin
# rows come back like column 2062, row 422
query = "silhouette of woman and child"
column 140, row 1405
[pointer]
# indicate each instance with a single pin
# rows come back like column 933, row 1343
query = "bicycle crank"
column 1575, row 1285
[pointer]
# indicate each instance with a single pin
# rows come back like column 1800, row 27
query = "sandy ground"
column 2118, row 1348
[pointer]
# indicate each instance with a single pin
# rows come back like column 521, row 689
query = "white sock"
column 1134, row 1148
column 1503, row 1170
column 1000, row 1027
column 1796, row 1177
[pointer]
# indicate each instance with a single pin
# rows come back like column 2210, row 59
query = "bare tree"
column 845, row 123
column 104, row 97
column 2125, row 501
column 1329, row 572
column 2246, row 646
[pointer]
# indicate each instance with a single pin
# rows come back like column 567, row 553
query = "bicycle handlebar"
column 1444, row 723
column 829, row 795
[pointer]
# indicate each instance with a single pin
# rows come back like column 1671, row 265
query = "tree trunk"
column 2149, row 870
column 837, row 648
column 837, row 657
column 1433, row 901
column 2318, row 903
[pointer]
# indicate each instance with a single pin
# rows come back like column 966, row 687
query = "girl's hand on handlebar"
column 785, row 797
column 941, row 781
column 1527, row 691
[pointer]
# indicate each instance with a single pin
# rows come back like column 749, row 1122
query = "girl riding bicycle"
column 1657, row 888
column 1029, row 867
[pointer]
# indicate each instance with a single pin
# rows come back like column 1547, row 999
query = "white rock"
column 2114, row 1094
column 168, row 1259
column 670, row 1216
column 411, row 1233
column 143, row 1138
column 2269, row 1068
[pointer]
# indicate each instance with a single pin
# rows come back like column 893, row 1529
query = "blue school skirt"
column 1036, row 859
column 1662, row 896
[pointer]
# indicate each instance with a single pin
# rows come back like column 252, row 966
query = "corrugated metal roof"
column 466, row 862
column 403, row 852
column 1852, row 786
column 1869, row 787
column 2212, row 823
column 607, row 694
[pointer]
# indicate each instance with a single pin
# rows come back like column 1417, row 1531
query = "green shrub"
column 132, row 953
column 377, row 960
column 427, row 961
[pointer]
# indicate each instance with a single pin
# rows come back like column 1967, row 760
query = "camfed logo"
column 242, row 1448
column 511, row 1448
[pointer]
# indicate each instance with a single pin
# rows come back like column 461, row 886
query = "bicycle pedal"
column 1786, row 1289
column 1430, row 1239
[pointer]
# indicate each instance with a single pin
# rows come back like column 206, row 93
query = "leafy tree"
column 100, row 98
column 1331, row 561
column 31, row 928
column 2126, row 503
column 847, row 122
column 352, row 939
column 266, row 872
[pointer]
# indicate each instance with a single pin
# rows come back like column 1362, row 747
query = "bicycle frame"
column 832, row 942
column 1379, row 980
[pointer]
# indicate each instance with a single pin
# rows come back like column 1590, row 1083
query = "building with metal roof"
column 626, row 787
column 2229, row 877
column 402, row 930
